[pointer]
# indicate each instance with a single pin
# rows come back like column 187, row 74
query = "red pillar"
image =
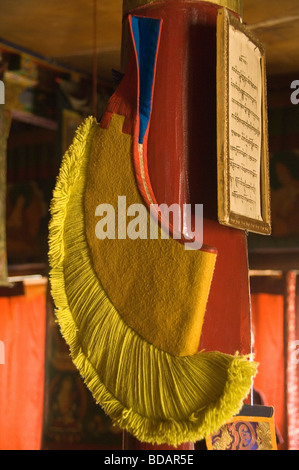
column 182, row 162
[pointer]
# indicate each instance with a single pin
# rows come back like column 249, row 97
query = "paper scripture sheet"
column 245, row 125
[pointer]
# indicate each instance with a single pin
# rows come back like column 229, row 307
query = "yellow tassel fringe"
column 157, row 397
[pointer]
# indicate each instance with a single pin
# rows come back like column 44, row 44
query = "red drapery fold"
column 268, row 329
column 22, row 336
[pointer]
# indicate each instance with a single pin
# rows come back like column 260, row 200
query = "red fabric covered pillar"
column 182, row 157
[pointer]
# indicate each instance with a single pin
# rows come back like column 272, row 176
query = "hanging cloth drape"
column 22, row 336
column 292, row 385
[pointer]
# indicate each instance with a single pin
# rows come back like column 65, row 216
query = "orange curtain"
column 268, row 329
column 22, row 336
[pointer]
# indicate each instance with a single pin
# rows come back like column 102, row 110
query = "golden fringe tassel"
column 157, row 397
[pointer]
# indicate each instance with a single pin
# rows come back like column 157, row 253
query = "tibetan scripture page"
column 245, row 125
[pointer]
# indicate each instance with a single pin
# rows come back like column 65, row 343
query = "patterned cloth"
column 246, row 432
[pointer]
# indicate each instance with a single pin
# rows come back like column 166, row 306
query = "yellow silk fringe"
column 157, row 397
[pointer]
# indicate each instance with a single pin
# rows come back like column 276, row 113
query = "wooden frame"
column 241, row 124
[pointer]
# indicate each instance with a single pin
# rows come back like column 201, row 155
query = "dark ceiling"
column 63, row 31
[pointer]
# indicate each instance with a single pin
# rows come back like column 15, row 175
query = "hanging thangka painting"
column 5, row 119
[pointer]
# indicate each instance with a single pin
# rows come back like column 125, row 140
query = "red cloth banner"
column 22, row 336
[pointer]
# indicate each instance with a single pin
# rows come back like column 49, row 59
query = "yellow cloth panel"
column 159, row 288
